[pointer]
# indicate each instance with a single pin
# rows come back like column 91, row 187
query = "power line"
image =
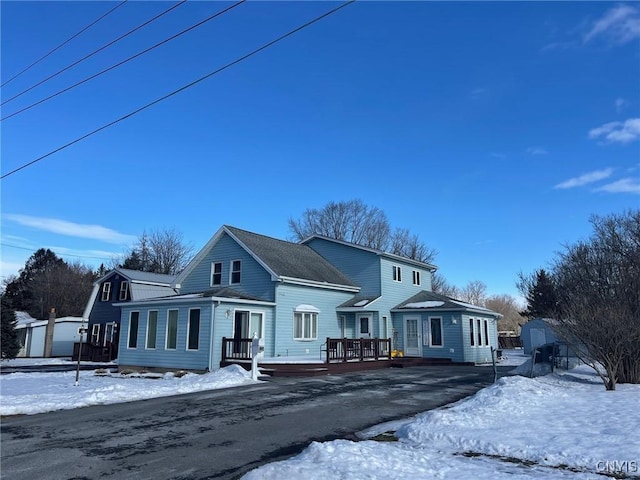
column 131, row 114
column 209, row 18
column 59, row 254
column 64, row 43
column 96, row 51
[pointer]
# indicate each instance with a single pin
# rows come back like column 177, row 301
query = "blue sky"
column 493, row 130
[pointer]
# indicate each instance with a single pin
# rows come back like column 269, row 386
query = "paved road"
column 222, row 434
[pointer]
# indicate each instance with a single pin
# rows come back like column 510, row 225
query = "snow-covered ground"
column 562, row 425
column 29, row 393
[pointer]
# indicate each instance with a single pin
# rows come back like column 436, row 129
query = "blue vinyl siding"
column 289, row 297
column 478, row 353
column 360, row 266
column 255, row 280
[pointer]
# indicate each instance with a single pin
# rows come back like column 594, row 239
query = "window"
column 109, row 333
column 436, row 332
column 106, row 292
column 397, row 274
column 193, row 329
column 305, row 326
column 416, row 277
column 479, row 333
column 235, row 271
column 133, row 329
column 152, row 328
column 472, row 336
column 124, row 291
column 95, row 333
column 216, row 274
column 486, row 333
column 172, row 329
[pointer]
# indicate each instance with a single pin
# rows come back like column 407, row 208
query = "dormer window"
column 236, row 266
column 106, row 292
column 124, row 291
column 397, row 274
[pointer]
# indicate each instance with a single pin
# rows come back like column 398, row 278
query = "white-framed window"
column 193, row 329
column 216, row 274
column 236, row 267
column 132, row 341
column 416, row 277
column 95, row 333
column 472, row 337
column 397, row 274
column 435, row 332
column 172, row 330
column 109, row 333
column 479, row 332
column 152, row 329
column 486, row 332
column 106, row 292
column 124, row 290
column 305, row 325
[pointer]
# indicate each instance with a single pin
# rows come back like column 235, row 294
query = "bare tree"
column 474, row 292
column 598, row 289
column 508, row 306
column 159, row 251
column 355, row 222
column 440, row 285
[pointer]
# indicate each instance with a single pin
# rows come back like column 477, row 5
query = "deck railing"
column 335, row 349
column 357, row 349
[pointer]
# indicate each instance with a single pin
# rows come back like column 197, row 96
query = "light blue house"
column 295, row 296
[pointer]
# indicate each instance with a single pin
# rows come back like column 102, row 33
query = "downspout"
column 214, row 304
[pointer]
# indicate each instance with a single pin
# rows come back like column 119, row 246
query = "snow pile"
column 30, row 393
column 557, row 426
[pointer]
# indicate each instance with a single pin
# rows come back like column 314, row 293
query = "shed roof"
column 432, row 301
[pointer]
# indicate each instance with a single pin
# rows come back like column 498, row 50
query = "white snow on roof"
column 303, row 307
column 470, row 305
column 361, row 303
column 427, row 304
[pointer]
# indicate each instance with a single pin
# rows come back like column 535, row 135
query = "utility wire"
column 64, row 43
column 96, row 51
column 131, row 114
column 209, row 18
column 59, row 254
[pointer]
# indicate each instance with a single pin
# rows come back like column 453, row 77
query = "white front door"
column 412, row 337
column 364, row 325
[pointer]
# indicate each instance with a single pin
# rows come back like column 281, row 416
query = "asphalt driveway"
column 223, row 434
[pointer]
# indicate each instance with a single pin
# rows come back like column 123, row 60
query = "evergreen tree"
column 540, row 292
column 8, row 334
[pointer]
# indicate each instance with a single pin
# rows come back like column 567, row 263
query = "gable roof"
column 431, row 301
column 138, row 276
column 391, row 256
column 283, row 260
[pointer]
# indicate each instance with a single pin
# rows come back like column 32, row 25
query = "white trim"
column 405, row 319
column 125, row 284
column 396, row 273
column 95, row 332
column 106, row 289
column 195, row 298
column 415, row 275
column 213, row 272
column 303, row 307
column 91, row 302
column 313, row 322
column 312, row 283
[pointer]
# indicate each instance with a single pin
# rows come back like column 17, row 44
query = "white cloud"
column 537, row 151
column 618, row 132
column 618, row 25
column 62, row 227
column 586, row 178
column 625, row 185
column 620, row 103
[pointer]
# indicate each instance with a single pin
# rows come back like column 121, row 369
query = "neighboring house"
column 116, row 287
column 31, row 335
column 538, row 332
column 295, row 296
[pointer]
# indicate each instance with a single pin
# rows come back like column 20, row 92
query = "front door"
column 411, row 337
column 365, row 326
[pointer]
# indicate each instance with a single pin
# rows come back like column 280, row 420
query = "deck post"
column 328, row 346
column 344, row 349
column 376, row 347
column 224, row 349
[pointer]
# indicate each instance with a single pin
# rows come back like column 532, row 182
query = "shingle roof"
column 425, row 300
column 287, row 259
column 359, row 301
column 147, row 276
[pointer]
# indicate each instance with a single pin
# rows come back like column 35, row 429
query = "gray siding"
column 255, row 280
